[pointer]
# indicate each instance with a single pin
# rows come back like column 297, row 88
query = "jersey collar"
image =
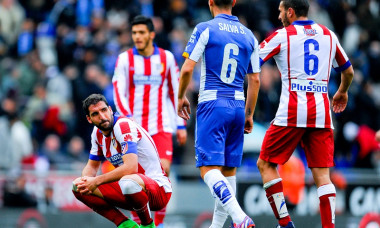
column 303, row 22
column 155, row 52
column 229, row 17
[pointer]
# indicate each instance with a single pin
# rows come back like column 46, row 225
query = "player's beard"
column 285, row 22
column 107, row 128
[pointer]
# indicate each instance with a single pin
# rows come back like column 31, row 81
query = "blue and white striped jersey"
column 229, row 51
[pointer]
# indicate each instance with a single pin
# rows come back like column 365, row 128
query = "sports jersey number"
column 309, row 57
column 229, row 61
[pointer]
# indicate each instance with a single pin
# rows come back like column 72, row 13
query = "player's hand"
column 184, row 108
column 248, row 125
column 87, row 185
column 339, row 101
column 181, row 136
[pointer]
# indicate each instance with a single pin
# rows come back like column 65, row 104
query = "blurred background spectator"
column 15, row 194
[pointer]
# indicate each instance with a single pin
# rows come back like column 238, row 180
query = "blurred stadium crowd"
column 53, row 54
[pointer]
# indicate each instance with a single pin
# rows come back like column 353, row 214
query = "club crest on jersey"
column 310, row 32
column 159, row 67
column 124, row 146
column 114, row 142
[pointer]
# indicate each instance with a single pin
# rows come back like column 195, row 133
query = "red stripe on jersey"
column 108, row 148
column 293, row 100
column 118, row 100
column 99, row 137
column 140, row 169
column 131, row 70
column 118, row 148
column 139, row 136
column 339, row 57
column 311, row 110
column 145, row 111
column 269, row 38
column 273, row 53
column 117, row 62
column 124, row 127
column 324, row 95
column 171, row 90
column 160, row 127
column 327, row 110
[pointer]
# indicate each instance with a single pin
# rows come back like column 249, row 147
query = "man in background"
column 145, row 88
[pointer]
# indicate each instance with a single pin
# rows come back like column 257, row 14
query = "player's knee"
column 264, row 165
column 260, row 164
column 129, row 186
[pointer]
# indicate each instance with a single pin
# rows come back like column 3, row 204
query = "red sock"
column 327, row 198
column 277, row 189
column 159, row 216
column 101, row 207
column 139, row 203
column 135, row 217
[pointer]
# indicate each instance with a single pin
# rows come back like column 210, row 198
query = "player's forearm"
column 346, row 79
column 252, row 94
column 114, row 175
column 185, row 77
column 90, row 171
column 184, row 83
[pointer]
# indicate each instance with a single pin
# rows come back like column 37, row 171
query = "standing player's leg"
column 319, row 149
column 210, row 146
column 223, row 193
column 99, row 203
column 220, row 215
column 327, row 196
column 278, row 145
column 274, row 191
column 164, row 145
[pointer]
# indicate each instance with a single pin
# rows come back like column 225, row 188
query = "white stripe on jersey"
column 200, row 46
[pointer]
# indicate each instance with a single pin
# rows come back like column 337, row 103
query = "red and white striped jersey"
column 146, row 88
column 127, row 133
column 304, row 53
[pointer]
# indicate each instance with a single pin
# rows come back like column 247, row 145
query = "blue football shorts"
column 219, row 133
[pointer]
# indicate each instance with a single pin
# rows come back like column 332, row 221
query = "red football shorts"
column 158, row 198
column 280, row 142
column 164, row 144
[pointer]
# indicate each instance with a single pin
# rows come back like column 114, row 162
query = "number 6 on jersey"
column 229, row 61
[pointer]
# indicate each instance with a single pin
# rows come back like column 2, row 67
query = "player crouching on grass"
column 138, row 181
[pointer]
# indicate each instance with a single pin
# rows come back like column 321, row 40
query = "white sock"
column 220, row 215
column 224, row 194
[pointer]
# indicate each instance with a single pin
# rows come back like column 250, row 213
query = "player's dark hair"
column 93, row 99
column 223, row 3
column 301, row 7
column 140, row 19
